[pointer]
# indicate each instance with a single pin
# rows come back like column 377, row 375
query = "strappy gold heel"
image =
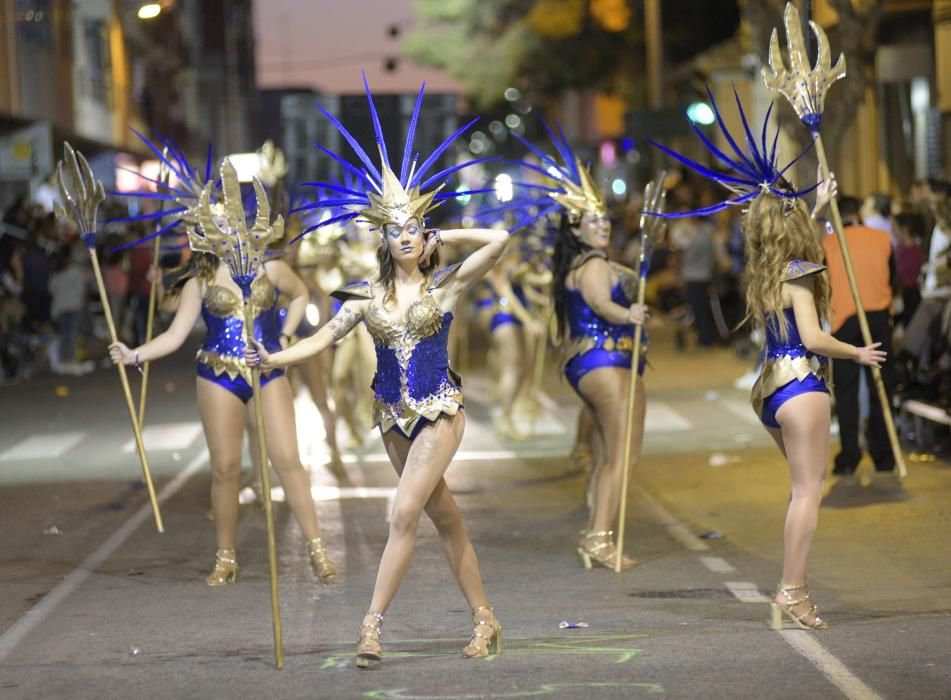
column 492, row 645
column 602, row 553
column 226, row 568
column 780, row 612
column 369, row 649
column 323, row 567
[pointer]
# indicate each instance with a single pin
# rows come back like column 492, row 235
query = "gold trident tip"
column 241, row 248
column 80, row 191
column 805, row 87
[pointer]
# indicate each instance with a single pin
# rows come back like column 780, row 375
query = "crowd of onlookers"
column 50, row 315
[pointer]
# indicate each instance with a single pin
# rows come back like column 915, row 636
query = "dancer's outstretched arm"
column 350, row 314
column 189, row 307
column 817, row 340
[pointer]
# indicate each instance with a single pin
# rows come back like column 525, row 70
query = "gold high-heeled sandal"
column 226, row 568
column 598, row 555
column 778, row 612
column 492, row 642
column 323, row 567
column 369, row 649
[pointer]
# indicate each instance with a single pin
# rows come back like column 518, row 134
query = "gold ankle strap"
column 600, row 533
column 225, row 555
column 379, row 620
column 482, row 607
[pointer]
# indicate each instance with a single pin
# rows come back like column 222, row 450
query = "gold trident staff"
column 164, row 174
column 651, row 228
column 805, row 87
column 82, row 194
column 243, row 250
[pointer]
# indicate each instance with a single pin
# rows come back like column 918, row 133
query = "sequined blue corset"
column 413, row 381
column 595, row 342
column 413, row 378
column 223, row 314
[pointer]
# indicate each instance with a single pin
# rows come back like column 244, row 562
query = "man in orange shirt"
column 871, row 252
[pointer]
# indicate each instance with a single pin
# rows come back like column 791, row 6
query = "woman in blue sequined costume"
column 596, row 312
column 787, row 297
column 417, row 396
column 408, row 310
column 224, row 389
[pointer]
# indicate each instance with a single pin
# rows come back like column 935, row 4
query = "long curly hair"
column 777, row 231
column 388, row 271
column 567, row 247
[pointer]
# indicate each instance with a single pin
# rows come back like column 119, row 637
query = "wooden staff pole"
column 266, row 488
column 127, row 391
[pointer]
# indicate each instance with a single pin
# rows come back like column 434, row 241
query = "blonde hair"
column 778, row 231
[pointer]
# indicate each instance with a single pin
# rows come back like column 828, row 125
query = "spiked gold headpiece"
column 379, row 196
column 583, row 197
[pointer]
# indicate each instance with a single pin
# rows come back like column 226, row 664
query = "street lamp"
column 150, row 10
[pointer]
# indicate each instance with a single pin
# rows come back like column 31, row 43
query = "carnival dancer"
column 595, row 310
column 408, row 310
column 224, row 381
column 503, row 313
column 787, row 298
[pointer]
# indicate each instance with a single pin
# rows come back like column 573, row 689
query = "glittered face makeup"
column 594, row 230
column 404, row 241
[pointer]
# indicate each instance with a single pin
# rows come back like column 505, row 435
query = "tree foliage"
column 545, row 47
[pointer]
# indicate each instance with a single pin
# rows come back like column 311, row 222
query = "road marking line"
column 833, row 669
column 746, row 591
column 662, row 418
column 717, row 565
column 36, row 615
column 167, row 436
column 674, row 527
column 741, row 409
column 43, row 446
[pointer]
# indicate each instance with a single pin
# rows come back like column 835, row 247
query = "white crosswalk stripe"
column 166, row 436
column 43, row 446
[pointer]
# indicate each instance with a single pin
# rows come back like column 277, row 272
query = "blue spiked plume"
column 747, row 173
column 378, row 194
column 184, row 194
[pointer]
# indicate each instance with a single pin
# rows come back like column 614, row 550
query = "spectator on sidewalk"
column 876, row 213
column 873, row 263
column 909, row 259
column 68, row 292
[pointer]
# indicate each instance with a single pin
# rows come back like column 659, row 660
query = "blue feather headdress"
column 569, row 186
column 747, row 174
column 183, row 196
column 377, row 194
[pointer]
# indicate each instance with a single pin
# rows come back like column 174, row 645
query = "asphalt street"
column 96, row 604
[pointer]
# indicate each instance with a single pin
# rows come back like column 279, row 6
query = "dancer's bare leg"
column 314, row 372
column 421, row 487
column 804, row 436
column 445, row 515
column 280, row 429
column 222, row 417
column 606, row 392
